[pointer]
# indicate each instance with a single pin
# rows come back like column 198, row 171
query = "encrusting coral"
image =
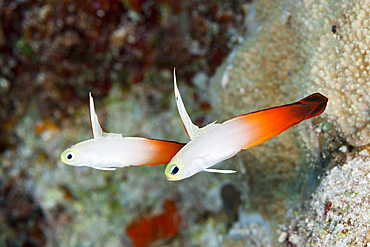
column 338, row 214
column 298, row 49
column 340, row 67
column 261, row 74
column 295, row 52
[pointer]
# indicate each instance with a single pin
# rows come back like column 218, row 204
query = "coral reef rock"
column 298, row 48
column 302, row 48
column 338, row 212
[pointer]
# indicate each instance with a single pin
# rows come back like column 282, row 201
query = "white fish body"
column 212, row 147
column 217, row 142
column 191, row 129
column 107, row 151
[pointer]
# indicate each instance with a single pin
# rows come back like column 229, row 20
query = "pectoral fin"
column 219, row 171
column 105, row 168
column 95, row 126
column 191, row 129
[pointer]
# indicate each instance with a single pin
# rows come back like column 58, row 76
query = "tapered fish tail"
column 265, row 124
column 318, row 103
column 304, row 109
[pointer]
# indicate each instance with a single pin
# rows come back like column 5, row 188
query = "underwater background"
column 308, row 186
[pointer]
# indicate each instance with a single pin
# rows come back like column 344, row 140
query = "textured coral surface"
column 339, row 66
column 293, row 53
column 338, row 213
column 295, row 50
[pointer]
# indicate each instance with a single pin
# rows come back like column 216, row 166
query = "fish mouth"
column 62, row 158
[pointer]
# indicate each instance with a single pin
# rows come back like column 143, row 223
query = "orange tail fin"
column 318, row 102
column 268, row 123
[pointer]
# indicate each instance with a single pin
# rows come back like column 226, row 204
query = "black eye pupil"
column 69, row 156
column 175, row 170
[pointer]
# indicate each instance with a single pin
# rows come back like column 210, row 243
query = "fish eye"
column 70, row 156
column 174, row 170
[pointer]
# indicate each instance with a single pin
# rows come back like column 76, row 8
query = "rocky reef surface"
column 338, row 214
column 299, row 48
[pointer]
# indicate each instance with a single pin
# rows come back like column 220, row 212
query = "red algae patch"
column 148, row 229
